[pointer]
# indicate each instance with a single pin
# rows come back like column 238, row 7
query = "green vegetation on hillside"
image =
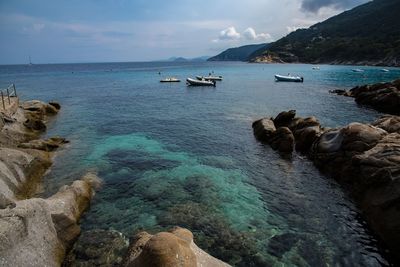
column 367, row 34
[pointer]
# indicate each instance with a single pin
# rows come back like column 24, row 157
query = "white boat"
column 384, row 70
column 288, row 78
column 170, row 80
column 209, row 78
column 357, row 70
column 194, row 82
column 315, row 68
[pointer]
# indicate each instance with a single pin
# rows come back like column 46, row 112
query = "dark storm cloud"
column 315, row 5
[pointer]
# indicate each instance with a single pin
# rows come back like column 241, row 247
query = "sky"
column 68, row 31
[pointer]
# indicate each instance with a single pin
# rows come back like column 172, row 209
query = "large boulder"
column 284, row 118
column 67, row 205
column 390, row 124
column 378, row 183
column 264, row 129
column 305, row 132
column 174, row 248
column 37, row 232
column 282, row 140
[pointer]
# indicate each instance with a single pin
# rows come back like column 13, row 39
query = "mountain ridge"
column 368, row 34
column 240, row 53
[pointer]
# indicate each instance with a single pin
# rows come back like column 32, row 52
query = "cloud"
column 229, row 33
column 315, row 5
column 250, row 34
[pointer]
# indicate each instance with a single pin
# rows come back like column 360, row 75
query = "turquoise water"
column 172, row 155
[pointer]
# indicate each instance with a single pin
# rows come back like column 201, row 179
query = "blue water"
column 172, row 155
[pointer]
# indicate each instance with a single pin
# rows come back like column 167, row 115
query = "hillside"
column 367, row 34
column 241, row 53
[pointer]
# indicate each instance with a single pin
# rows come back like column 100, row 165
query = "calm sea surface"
column 173, row 155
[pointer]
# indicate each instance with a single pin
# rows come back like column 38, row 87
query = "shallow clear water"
column 172, row 155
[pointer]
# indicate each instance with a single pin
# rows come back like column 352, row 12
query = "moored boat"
column 170, row 80
column 203, row 82
column 288, row 78
column 384, row 70
column 209, row 78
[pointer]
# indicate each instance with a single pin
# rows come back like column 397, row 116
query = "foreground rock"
column 364, row 157
column 23, row 157
column 383, row 97
column 174, row 248
column 37, row 232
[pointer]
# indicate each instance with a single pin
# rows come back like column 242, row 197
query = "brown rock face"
column 264, row 129
column 390, row 124
column 282, row 140
column 284, row 118
column 174, row 248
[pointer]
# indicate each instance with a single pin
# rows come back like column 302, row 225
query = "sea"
column 173, row 155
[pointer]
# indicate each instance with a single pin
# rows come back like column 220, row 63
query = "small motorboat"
column 357, row 70
column 209, row 78
column 315, row 68
column 288, row 78
column 203, row 82
column 170, row 80
column 384, row 70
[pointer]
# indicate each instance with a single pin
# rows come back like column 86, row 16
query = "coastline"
column 35, row 231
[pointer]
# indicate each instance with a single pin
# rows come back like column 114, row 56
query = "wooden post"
column 8, row 95
column 15, row 90
column 2, row 100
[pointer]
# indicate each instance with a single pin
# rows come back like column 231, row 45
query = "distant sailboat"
column 30, row 61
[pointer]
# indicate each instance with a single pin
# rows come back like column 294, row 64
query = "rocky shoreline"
column 35, row 231
column 46, row 232
column 365, row 158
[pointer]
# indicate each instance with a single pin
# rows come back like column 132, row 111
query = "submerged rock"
column 98, row 248
column 174, row 248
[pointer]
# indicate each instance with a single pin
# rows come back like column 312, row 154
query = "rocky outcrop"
column 37, row 232
column 383, row 97
column 174, row 248
column 364, row 157
column 48, row 145
column 282, row 131
column 23, row 157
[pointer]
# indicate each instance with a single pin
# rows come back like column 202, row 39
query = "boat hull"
column 193, row 82
column 281, row 78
